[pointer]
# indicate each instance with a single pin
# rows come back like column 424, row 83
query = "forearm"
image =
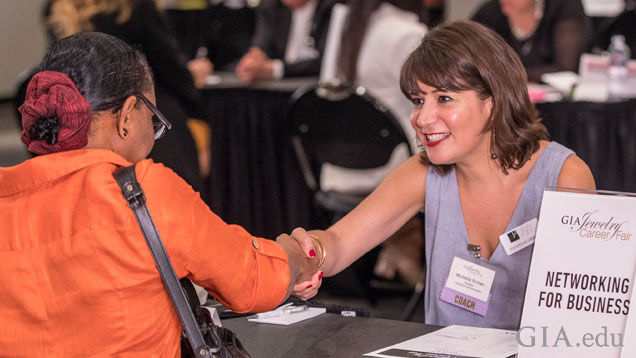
column 334, row 261
column 397, row 199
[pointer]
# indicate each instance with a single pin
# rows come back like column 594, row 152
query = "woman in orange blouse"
column 78, row 279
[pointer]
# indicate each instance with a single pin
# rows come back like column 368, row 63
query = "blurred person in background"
column 378, row 36
column 289, row 39
column 432, row 13
column 142, row 25
column 548, row 35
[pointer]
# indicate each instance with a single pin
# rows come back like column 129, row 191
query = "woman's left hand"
column 308, row 289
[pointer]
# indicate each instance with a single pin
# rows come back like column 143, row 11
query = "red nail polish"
column 312, row 253
column 320, row 276
column 310, row 286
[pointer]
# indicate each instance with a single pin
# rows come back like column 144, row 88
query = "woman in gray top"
column 484, row 165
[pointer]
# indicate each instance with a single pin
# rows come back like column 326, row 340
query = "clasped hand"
column 302, row 254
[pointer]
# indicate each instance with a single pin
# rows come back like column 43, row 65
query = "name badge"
column 520, row 237
column 468, row 286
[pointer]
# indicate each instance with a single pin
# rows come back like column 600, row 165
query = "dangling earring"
column 492, row 145
column 538, row 9
column 124, row 133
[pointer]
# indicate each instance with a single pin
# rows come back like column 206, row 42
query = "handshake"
column 307, row 255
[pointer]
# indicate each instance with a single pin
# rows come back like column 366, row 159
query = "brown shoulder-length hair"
column 464, row 55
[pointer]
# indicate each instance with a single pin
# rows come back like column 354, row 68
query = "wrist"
column 320, row 248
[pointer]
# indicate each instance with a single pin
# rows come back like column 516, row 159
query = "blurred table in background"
column 255, row 181
column 254, row 178
column 602, row 134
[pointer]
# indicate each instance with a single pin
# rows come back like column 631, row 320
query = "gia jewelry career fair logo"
column 594, row 226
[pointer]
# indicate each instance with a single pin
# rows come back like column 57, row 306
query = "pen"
column 281, row 311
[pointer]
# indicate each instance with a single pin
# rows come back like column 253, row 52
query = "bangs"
column 442, row 68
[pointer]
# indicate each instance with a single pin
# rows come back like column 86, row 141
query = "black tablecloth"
column 602, row 134
column 255, row 181
column 326, row 336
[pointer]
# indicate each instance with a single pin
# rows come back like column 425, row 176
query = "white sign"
column 629, row 347
column 581, row 277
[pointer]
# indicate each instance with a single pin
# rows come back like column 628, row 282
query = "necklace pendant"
column 475, row 249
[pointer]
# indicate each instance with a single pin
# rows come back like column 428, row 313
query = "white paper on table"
column 455, row 340
column 561, row 81
column 290, row 318
column 591, row 91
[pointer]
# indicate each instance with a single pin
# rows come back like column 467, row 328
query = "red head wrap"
column 54, row 94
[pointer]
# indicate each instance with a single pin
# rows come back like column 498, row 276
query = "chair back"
column 343, row 126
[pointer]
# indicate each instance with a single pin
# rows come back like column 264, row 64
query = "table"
column 255, row 180
column 328, row 335
column 602, row 134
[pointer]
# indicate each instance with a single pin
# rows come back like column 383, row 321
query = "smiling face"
column 486, row 88
column 450, row 125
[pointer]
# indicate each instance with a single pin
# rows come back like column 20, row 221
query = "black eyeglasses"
column 160, row 123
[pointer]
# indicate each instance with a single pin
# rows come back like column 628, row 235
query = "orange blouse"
column 77, row 278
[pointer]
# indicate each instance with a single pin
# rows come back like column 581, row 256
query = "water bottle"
column 618, row 56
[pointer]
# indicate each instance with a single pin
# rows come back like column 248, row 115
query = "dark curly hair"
column 104, row 69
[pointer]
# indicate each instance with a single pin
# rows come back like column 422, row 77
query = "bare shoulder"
column 576, row 174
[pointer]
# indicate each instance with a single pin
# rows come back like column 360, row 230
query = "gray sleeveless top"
column 446, row 237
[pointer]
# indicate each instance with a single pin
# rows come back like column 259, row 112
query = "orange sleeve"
column 243, row 272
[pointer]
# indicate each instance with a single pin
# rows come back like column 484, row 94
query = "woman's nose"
column 424, row 115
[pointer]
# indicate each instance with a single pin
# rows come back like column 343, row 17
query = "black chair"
column 342, row 127
column 345, row 127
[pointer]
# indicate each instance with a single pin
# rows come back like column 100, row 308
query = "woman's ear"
column 488, row 103
column 487, row 107
column 124, row 116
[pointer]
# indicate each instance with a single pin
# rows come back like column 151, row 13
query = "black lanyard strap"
column 131, row 189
